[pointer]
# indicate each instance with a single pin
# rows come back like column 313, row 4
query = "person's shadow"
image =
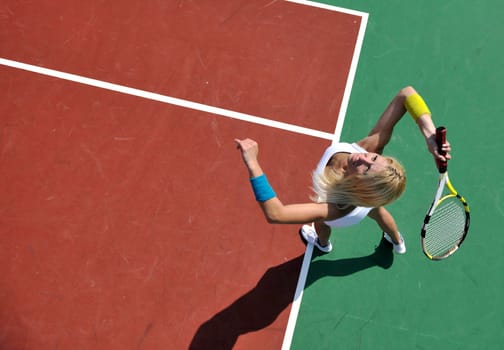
column 382, row 257
column 259, row 307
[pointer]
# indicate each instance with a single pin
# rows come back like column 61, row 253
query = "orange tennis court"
column 127, row 218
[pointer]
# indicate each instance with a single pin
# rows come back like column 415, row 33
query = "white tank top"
column 359, row 213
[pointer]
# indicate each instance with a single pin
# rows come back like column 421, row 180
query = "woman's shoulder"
column 337, row 147
column 346, row 147
column 337, row 211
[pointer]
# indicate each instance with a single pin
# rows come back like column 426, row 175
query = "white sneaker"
column 310, row 236
column 398, row 248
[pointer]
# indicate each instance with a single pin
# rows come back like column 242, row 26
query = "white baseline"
column 165, row 99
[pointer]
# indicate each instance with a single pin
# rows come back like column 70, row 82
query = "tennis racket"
column 447, row 221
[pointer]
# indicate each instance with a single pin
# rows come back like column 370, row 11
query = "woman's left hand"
column 433, row 148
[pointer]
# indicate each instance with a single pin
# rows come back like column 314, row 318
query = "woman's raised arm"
column 407, row 99
column 274, row 210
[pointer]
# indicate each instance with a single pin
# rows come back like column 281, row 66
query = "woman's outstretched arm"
column 406, row 100
column 274, row 210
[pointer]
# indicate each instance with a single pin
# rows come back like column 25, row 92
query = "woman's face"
column 365, row 163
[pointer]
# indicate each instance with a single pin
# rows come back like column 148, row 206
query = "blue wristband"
column 262, row 188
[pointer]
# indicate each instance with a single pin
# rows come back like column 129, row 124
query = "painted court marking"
column 239, row 116
column 355, row 58
column 165, row 99
column 298, row 295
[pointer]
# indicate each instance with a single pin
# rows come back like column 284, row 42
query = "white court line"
column 240, row 116
column 350, row 79
column 353, row 66
column 330, row 7
column 298, row 295
column 166, row 99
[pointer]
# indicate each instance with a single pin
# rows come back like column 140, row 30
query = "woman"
column 351, row 181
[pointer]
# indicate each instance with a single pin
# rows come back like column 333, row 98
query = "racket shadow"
column 383, row 257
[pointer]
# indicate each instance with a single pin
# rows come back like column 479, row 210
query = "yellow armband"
column 416, row 106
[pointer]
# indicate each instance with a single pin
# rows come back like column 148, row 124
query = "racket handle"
column 440, row 139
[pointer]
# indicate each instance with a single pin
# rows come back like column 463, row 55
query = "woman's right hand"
column 250, row 150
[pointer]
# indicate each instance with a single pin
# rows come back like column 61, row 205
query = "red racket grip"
column 440, row 139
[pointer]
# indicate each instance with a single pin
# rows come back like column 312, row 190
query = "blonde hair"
column 370, row 190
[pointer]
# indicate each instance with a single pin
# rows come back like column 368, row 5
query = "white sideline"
column 298, row 295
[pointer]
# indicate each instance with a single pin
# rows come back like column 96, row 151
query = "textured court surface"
column 128, row 223
column 358, row 299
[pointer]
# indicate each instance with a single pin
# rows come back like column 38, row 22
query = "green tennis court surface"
column 359, row 298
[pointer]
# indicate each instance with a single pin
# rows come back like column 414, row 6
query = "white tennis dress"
column 359, row 213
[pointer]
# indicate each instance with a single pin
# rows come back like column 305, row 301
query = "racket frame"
column 444, row 181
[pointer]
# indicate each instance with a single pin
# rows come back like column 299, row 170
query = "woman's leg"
column 323, row 232
column 386, row 222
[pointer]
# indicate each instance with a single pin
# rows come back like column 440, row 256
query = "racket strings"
column 446, row 227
